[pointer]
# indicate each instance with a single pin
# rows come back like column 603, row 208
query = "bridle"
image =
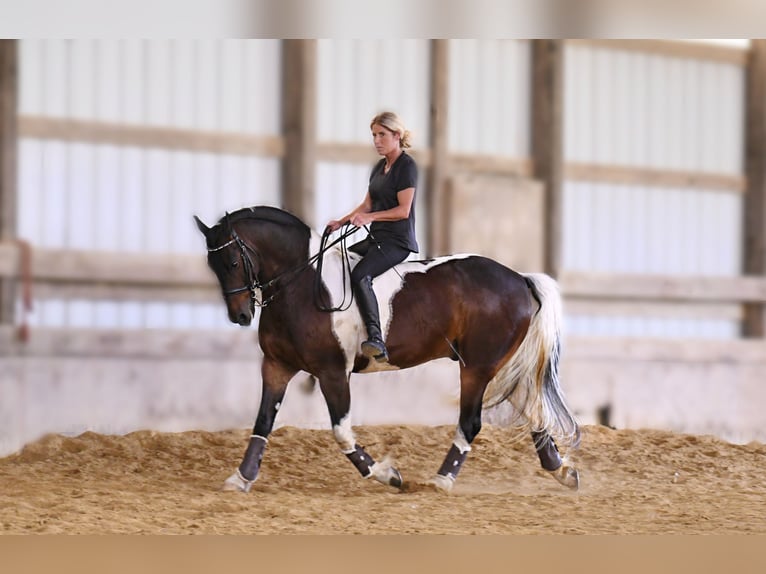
column 254, row 285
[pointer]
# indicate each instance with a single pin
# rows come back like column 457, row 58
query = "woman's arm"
column 364, row 207
column 401, row 211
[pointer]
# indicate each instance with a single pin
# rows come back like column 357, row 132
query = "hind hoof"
column 568, row 476
column 237, row 483
column 442, row 483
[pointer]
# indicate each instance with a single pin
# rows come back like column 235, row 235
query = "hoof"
column 395, row 479
column 237, row 483
column 568, row 476
column 442, row 483
column 386, row 474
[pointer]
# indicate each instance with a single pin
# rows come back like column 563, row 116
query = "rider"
column 389, row 205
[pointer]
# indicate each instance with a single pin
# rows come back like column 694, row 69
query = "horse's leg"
column 335, row 389
column 275, row 377
column 550, row 459
column 472, row 385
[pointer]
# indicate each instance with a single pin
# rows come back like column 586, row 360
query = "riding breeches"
column 375, row 259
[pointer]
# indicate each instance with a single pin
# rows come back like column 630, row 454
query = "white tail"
column 530, row 378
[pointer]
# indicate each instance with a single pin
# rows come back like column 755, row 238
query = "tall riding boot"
column 373, row 347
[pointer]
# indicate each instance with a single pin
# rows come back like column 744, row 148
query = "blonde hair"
column 393, row 123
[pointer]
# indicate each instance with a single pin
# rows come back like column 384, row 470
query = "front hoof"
column 442, row 483
column 568, row 476
column 237, row 483
column 386, row 474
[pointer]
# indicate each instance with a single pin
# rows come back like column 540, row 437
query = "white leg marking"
column 460, row 441
column 344, row 435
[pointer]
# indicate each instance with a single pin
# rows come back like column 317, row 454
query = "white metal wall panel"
column 102, row 197
column 633, row 109
column 649, row 110
column 489, row 107
column 360, row 78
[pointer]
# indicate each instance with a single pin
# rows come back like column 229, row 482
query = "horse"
column 503, row 327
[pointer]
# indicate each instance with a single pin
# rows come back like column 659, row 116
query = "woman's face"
column 384, row 140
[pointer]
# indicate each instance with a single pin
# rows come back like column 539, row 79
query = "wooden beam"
column 157, row 344
column 630, row 175
column 106, row 133
column 435, row 194
column 8, row 164
column 492, row 164
column 97, row 267
column 242, row 344
column 642, row 287
column 58, row 291
column 699, row 351
column 342, row 152
column 660, row 309
column 346, row 153
column 754, row 212
column 299, row 127
column 674, row 49
column 547, row 141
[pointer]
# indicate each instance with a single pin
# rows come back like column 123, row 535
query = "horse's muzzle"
column 240, row 316
column 244, row 319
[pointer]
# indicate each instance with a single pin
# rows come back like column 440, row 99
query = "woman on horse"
column 389, row 209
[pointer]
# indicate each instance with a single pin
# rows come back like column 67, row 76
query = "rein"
column 254, row 285
column 345, row 266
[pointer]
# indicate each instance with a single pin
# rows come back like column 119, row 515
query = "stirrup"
column 374, row 348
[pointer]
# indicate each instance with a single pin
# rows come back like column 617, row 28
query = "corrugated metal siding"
column 356, row 80
column 489, row 87
column 359, row 78
column 634, row 109
column 648, row 110
column 87, row 196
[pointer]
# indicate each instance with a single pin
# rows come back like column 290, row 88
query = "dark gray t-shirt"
column 383, row 189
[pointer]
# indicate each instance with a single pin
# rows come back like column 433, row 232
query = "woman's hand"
column 361, row 219
column 334, row 225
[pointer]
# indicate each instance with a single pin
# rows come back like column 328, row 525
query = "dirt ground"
column 649, row 482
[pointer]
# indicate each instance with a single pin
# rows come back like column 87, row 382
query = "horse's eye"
column 235, row 263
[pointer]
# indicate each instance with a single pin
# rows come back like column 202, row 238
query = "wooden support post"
column 754, row 225
column 436, row 194
column 547, row 141
column 299, row 127
column 8, row 159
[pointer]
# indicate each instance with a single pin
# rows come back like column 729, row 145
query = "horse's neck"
column 278, row 251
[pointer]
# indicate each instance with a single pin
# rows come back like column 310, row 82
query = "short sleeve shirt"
column 383, row 189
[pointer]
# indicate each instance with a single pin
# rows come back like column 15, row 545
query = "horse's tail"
column 530, row 378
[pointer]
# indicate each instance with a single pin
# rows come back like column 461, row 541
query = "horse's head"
column 235, row 265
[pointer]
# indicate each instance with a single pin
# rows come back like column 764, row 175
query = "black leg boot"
column 373, row 347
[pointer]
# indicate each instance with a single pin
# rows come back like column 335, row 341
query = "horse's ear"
column 226, row 223
column 202, row 227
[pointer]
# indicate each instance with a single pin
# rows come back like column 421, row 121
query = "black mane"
column 266, row 213
column 256, row 213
